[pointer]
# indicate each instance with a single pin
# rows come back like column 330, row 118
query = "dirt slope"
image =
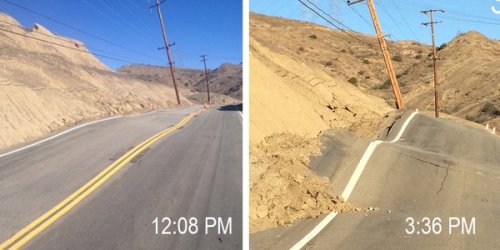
column 293, row 98
column 292, row 91
column 225, row 81
column 44, row 87
column 469, row 79
column 468, row 69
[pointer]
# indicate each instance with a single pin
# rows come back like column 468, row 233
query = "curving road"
column 194, row 171
column 437, row 169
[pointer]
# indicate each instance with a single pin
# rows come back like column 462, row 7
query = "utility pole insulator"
column 385, row 52
column 167, row 48
column 204, row 60
column 434, row 58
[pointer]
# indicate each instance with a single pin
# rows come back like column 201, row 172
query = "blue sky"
column 211, row 27
column 401, row 19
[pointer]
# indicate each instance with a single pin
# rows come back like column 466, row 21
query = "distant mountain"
column 226, row 80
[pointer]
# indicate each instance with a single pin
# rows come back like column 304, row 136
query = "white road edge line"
column 351, row 184
column 57, row 135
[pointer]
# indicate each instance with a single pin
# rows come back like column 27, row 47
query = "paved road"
column 438, row 168
column 193, row 172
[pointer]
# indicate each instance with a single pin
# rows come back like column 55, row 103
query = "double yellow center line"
column 38, row 225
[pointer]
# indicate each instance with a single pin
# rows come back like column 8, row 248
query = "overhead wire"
column 470, row 20
column 391, row 32
column 405, row 21
column 77, row 29
column 328, row 15
column 134, row 14
column 328, row 21
column 68, row 47
column 361, row 16
column 130, row 30
column 132, row 25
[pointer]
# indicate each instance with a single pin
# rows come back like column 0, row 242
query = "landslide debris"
column 282, row 187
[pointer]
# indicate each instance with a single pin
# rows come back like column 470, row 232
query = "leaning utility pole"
column 385, row 53
column 204, row 60
column 434, row 59
column 167, row 48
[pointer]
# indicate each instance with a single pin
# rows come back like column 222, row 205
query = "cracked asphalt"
column 439, row 169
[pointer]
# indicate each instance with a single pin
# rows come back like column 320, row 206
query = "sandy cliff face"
column 291, row 93
column 45, row 87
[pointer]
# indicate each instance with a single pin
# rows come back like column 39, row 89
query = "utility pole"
column 385, row 53
column 434, row 58
column 204, row 60
column 167, row 48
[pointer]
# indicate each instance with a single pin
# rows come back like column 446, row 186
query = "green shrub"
column 301, row 49
column 397, row 58
column 343, row 51
column 353, row 80
column 490, row 109
column 442, row 46
column 366, row 61
column 328, row 63
column 419, row 56
column 385, row 85
column 313, row 36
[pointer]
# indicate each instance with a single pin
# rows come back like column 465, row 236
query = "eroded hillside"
column 468, row 67
column 45, row 87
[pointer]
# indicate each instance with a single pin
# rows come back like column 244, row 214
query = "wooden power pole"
column 167, row 48
column 385, row 53
column 204, row 60
column 434, row 59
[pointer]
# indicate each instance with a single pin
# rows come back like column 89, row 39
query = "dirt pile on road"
column 282, row 187
column 45, row 87
column 225, row 81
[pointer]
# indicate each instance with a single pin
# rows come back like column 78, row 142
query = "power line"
column 132, row 13
column 132, row 31
column 328, row 21
column 361, row 16
column 328, row 15
column 68, row 40
column 405, row 21
column 64, row 46
column 471, row 21
column 204, row 60
column 434, row 58
column 167, row 48
column 385, row 52
column 379, row 4
column 77, row 29
column 132, row 25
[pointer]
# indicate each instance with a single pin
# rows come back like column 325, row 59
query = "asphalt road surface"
column 193, row 172
column 437, row 169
